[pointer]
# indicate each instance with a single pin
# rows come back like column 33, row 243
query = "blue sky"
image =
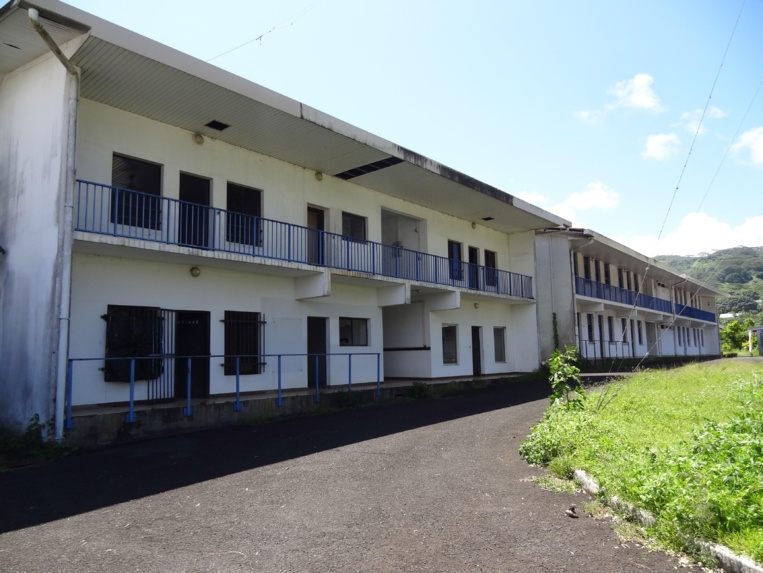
column 585, row 108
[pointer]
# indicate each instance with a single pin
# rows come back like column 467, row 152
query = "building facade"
column 172, row 231
column 614, row 303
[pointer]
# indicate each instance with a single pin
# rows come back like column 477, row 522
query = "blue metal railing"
column 124, row 213
column 593, row 289
column 691, row 312
column 188, row 410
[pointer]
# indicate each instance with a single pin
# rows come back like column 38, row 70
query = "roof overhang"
column 598, row 246
column 127, row 71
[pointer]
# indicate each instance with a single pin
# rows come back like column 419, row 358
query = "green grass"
column 685, row 444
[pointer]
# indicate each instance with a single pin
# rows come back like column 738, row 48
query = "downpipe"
column 64, row 288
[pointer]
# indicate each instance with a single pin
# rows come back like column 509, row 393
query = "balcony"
column 123, row 213
column 691, row 312
column 593, row 289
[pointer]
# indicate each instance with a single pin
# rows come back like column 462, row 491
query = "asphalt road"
column 434, row 485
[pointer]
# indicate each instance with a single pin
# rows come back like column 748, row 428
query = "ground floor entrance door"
column 476, row 350
column 317, row 338
column 192, row 339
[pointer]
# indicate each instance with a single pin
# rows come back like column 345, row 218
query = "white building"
column 613, row 302
column 154, row 205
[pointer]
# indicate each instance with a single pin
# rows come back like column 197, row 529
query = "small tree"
column 565, row 378
column 734, row 335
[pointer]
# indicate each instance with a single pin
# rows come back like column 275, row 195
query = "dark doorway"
column 601, row 336
column 476, row 350
column 192, row 339
column 474, row 261
column 316, row 345
column 315, row 243
column 193, row 211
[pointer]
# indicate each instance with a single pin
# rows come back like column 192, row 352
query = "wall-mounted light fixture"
column 476, row 305
column 198, row 139
column 195, row 271
column 319, row 175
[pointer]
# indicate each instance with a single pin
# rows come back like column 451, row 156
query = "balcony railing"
column 593, row 289
column 124, row 213
column 691, row 312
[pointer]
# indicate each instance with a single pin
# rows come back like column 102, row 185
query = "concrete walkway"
column 434, row 485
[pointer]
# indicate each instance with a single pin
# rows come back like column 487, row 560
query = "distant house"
column 613, row 302
column 173, row 232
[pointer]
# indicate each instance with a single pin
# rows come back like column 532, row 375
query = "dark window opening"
column 499, row 341
column 245, row 339
column 353, row 331
column 353, row 226
column 491, row 275
column 449, row 344
column 587, row 268
column 624, row 324
column 640, row 335
column 242, row 219
column 136, row 200
column 597, row 269
column 607, row 278
column 455, row 254
column 620, row 278
column 611, row 327
column 590, row 327
column 133, row 332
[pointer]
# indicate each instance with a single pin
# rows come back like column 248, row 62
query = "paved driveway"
column 434, row 485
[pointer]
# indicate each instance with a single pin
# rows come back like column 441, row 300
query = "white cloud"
column 596, row 196
column 591, row 115
column 636, row 93
column 750, row 144
column 533, row 197
column 699, row 233
column 690, row 119
column 661, row 146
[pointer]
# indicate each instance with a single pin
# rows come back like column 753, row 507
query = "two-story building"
column 613, row 302
column 172, row 231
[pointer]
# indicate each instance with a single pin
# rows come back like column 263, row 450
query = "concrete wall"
column 34, row 128
column 98, row 281
column 287, row 189
column 554, row 292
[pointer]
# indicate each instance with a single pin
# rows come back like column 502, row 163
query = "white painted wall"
column 555, row 292
column 287, row 189
column 34, row 118
column 98, row 281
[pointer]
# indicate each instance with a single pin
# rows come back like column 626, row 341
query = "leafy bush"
column 565, row 378
column 419, row 390
column 30, row 446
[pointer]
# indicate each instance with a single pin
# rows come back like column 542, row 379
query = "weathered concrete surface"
column 417, row 486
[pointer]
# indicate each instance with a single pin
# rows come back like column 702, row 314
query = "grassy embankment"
column 685, row 444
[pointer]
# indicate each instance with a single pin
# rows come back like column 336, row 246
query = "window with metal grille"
column 587, row 268
column 589, row 318
column 607, row 278
column 137, row 201
column 245, row 339
column 243, row 214
column 640, row 334
column 353, row 331
column 449, row 344
column 499, row 340
column 133, row 332
column 353, row 226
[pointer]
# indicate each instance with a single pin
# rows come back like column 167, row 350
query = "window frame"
column 362, row 333
column 491, row 268
column 234, row 339
column 348, row 223
column 243, row 227
column 499, row 344
column 455, row 260
column 143, row 332
column 136, row 205
column 446, row 358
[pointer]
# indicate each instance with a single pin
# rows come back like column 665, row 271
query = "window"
column 132, row 332
column 640, row 335
column 607, row 278
column 590, row 327
column 680, row 342
column 455, row 254
column 135, row 200
column 491, row 275
column 611, row 325
column 636, row 282
column 597, row 269
column 695, row 337
column 628, row 279
column 242, row 223
column 624, row 325
column 499, row 342
column 702, row 337
column 244, row 338
column 587, row 267
column 353, row 331
column 620, row 278
column 449, row 344
column 353, row 226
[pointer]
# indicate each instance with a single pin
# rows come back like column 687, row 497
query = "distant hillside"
column 738, row 271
